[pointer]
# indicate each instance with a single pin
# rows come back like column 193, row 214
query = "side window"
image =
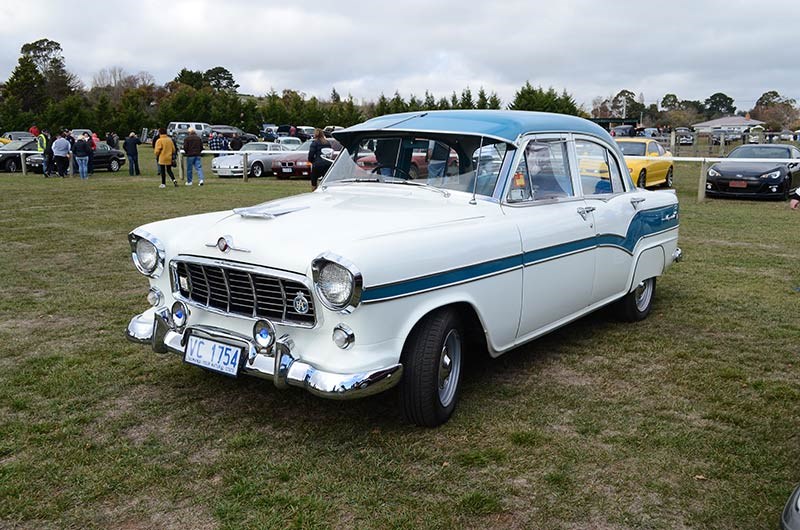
column 661, row 150
column 599, row 172
column 542, row 173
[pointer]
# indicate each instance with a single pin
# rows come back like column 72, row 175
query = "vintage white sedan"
column 259, row 160
column 524, row 223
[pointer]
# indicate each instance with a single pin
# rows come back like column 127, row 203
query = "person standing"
column 92, row 140
column 193, row 147
column 795, row 202
column 215, row 142
column 319, row 165
column 131, row 147
column 164, row 149
column 82, row 151
column 61, row 150
column 42, row 145
column 236, row 142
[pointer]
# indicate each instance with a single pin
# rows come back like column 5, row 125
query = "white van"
column 203, row 129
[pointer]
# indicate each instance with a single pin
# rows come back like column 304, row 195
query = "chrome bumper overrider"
column 677, row 255
column 152, row 327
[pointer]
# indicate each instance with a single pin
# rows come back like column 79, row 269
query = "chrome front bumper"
column 153, row 327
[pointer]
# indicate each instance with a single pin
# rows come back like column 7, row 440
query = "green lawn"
column 686, row 420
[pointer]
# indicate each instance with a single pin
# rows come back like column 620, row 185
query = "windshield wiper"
column 420, row 184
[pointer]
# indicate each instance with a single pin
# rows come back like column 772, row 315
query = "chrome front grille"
column 232, row 290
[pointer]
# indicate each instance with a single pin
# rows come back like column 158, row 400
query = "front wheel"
column 432, row 362
column 12, row 166
column 113, row 165
column 670, row 178
column 637, row 304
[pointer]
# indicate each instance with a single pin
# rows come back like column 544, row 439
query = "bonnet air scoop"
column 266, row 212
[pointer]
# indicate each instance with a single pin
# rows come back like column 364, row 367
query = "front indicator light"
column 154, row 297
column 343, row 336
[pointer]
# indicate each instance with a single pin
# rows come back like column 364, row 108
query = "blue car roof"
column 505, row 125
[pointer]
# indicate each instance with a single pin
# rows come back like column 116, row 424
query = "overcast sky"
column 588, row 47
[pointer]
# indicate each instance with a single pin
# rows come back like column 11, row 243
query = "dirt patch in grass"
column 145, row 513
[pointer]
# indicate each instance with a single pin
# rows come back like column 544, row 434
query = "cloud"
column 588, row 47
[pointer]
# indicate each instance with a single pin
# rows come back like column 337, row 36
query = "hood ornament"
column 225, row 244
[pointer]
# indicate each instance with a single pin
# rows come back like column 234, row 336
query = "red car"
column 295, row 163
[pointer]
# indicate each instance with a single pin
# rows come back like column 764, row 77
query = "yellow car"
column 653, row 170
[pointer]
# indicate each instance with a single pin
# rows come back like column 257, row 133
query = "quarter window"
column 652, row 147
column 542, row 173
column 599, row 172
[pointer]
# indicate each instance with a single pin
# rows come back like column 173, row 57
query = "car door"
column 556, row 233
column 612, row 201
column 794, row 169
column 102, row 156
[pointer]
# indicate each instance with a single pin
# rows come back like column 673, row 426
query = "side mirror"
column 792, row 165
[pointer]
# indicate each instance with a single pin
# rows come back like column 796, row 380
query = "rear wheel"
column 642, row 182
column 668, row 183
column 258, row 169
column 432, row 362
column 636, row 305
column 113, row 165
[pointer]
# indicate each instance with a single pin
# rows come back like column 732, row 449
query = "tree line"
column 41, row 90
column 776, row 111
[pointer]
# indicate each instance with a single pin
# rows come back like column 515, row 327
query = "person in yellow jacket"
column 164, row 150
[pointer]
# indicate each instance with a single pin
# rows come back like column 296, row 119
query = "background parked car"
column 740, row 178
column 259, row 160
column 295, row 163
column 684, row 136
column 104, row 158
column 623, row 130
column 653, row 170
column 10, row 136
column 11, row 162
column 229, row 130
column 182, row 127
column 290, row 142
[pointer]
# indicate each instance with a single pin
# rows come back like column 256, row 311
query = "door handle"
column 636, row 201
column 583, row 210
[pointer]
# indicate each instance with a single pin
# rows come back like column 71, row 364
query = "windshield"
column 751, row 151
column 452, row 163
column 632, row 148
column 254, row 146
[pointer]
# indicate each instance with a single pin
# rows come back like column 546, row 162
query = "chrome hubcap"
column 449, row 367
column 643, row 293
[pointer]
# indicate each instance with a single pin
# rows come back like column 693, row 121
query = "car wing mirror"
column 792, row 165
column 328, row 154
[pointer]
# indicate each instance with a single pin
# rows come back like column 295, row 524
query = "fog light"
column 180, row 314
column 343, row 336
column 264, row 334
column 154, row 297
column 708, row 186
column 773, row 189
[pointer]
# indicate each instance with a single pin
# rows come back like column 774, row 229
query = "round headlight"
column 335, row 284
column 147, row 254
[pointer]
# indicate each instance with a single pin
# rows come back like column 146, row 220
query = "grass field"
column 686, row 420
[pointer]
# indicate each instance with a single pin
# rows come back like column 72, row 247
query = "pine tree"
column 26, row 84
column 482, row 102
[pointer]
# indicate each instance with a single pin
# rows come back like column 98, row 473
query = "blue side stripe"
column 440, row 279
column 644, row 223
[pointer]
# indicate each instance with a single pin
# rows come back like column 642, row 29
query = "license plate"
column 738, row 184
column 213, row 355
column 286, row 169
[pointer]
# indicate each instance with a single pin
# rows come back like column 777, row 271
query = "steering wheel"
column 378, row 168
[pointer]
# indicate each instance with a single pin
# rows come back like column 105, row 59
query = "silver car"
column 259, row 160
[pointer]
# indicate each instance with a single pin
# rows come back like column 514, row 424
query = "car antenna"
column 475, row 180
column 406, row 119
